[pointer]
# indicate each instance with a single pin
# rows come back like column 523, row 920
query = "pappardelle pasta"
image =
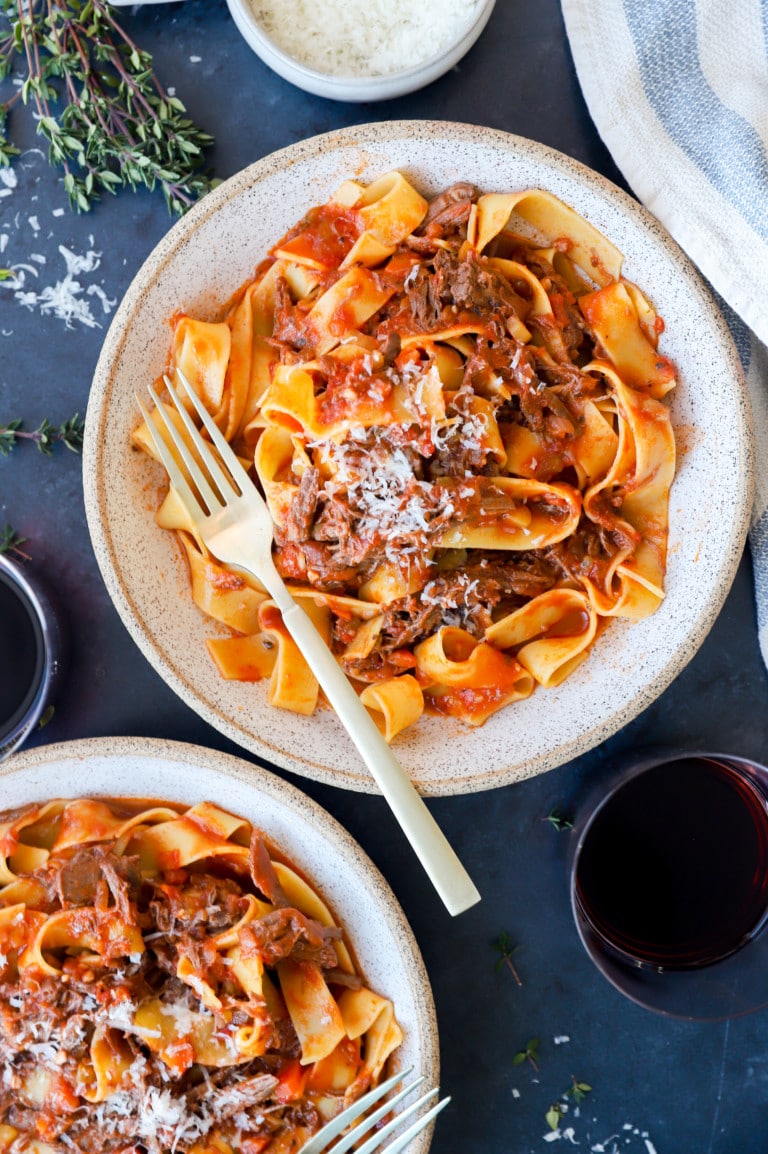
column 455, row 410
column 168, row 984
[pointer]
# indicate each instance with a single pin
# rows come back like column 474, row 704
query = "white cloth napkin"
column 678, row 90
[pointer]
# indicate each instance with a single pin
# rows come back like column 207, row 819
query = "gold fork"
column 233, row 521
column 321, row 1142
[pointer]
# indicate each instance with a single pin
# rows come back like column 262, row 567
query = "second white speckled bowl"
column 310, row 838
column 212, row 251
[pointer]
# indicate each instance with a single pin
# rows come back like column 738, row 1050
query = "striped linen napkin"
column 679, row 94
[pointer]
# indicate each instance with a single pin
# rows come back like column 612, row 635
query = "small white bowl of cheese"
column 360, row 50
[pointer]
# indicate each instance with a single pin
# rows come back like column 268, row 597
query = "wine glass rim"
column 642, row 983
column 17, row 727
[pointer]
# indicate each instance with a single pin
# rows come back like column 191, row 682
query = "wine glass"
column 669, row 884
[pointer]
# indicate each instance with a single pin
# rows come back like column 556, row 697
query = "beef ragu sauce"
column 459, row 702
column 129, row 807
column 325, row 235
column 547, row 396
column 148, row 996
column 571, row 625
column 477, row 422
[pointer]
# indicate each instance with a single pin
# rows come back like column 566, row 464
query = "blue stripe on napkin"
column 729, row 152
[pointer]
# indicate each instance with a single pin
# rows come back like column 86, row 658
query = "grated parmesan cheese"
column 363, row 37
column 64, row 299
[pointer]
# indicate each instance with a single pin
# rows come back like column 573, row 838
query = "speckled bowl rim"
column 257, row 781
column 371, row 135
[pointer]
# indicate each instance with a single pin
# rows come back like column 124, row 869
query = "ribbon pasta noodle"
column 165, row 985
column 455, row 408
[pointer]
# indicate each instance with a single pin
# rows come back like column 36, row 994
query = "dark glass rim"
column 625, row 952
column 16, row 728
column 717, row 990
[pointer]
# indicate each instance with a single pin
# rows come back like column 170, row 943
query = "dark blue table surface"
column 659, row 1085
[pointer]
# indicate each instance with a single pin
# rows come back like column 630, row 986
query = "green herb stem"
column 505, row 949
column 11, row 542
column 45, row 436
column 117, row 127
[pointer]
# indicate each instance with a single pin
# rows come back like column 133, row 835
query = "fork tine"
column 319, row 1141
column 226, row 452
column 402, row 1141
column 375, row 1141
column 177, row 478
column 213, row 500
column 370, row 1120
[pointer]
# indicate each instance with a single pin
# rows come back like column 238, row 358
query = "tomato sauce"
column 325, row 236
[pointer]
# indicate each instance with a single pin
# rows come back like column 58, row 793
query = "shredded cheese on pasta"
column 159, row 984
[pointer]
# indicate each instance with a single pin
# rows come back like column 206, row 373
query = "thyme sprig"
column 529, row 1053
column 11, row 542
column 117, row 126
column 46, row 436
column 577, row 1091
column 505, row 948
column 558, row 821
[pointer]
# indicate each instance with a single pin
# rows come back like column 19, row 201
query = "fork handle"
column 428, row 841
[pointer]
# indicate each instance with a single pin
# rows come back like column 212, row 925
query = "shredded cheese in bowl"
column 359, row 38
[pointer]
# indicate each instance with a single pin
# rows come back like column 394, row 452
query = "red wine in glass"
column 671, row 872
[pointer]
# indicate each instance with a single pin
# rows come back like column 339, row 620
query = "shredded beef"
column 375, row 666
column 338, row 977
column 472, row 284
column 443, row 207
column 590, row 551
column 490, row 577
column 454, row 284
column 263, row 871
column 288, row 328
column 287, row 933
column 334, row 567
column 407, row 621
column 333, row 522
column 85, row 878
column 225, row 1101
column 425, row 305
column 301, row 513
column 459, row 455
column 421, row 244
column 202, row 904
column 321, row 564
column 391, row 349
column 79, row 877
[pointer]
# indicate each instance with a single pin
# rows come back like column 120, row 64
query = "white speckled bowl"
column 365, row 906
column 208, row 254
column 356, row 88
